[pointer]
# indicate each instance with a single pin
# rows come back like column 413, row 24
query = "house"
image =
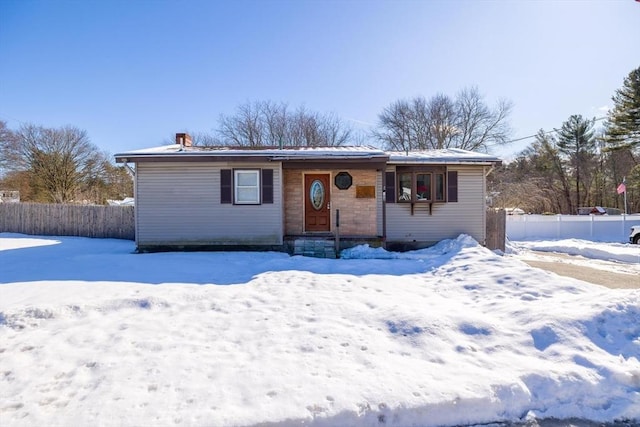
column 7, row 196
column 274, row 198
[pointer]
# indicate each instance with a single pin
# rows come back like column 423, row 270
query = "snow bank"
column 621, row 252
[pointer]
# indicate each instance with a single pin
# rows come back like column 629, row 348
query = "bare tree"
column 112, row 182
column 334, row 131
column 441, row 119
column 275, row 116
column 441, row 122
column 303, row 128
column 267, row 123
column 7, row 139
column 244, row 129
column 546, row 163
column 58, row 161
column 537, row 181
column 395, row 128
column 479, row 127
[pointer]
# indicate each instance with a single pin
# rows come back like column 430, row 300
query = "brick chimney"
column 183, row 139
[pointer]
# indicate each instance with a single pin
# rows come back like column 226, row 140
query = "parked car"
column 634, row 237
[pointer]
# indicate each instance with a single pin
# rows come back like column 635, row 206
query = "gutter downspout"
column 129, row 169
column 493, row 166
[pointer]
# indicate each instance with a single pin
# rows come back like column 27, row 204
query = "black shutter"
column 267, row 185
column 390, row 187
column 225, row 186
column 452, row 186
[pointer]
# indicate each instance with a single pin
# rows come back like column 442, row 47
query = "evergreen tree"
column 623, row 124
column 576, row 141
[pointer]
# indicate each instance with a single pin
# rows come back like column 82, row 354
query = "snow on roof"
column 276, row 153
column 164, row 149
column 450, row 155
column 447, row 155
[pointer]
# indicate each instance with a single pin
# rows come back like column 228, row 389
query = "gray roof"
column 277, row 154
column 445, row 156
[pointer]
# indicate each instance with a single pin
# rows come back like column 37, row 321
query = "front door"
column 316, row 202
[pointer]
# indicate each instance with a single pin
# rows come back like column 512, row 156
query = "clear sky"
column 132, row 73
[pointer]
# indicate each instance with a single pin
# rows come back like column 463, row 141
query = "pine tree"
column 623, row 123
column 576, row 140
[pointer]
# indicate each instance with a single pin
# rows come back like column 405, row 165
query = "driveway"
column 628, row 276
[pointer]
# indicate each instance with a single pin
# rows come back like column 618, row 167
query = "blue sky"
column 132, row 73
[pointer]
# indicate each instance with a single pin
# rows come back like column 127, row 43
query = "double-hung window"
column 246, row 187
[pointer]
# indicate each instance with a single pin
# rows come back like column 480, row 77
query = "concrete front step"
column 317, row 248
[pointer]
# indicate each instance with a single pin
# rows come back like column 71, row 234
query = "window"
column 398, row 185
column 439, row 187
column 421, row 184
column 246, row 187
column 404, row 187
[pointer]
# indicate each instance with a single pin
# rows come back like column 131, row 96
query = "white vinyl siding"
column 447, row 220
column 179, row 204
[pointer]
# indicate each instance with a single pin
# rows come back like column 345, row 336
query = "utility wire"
column 547, row 132
column 7, row 118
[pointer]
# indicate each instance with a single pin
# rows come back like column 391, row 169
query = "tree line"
column 563, row 169
column 61, row 165
column 579, row 165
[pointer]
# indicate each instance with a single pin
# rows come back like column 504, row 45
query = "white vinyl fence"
column 605, row 228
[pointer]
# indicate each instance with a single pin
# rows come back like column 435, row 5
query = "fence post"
column 337, row 240
column 496, row 229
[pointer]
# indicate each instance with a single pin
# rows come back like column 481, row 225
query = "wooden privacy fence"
column 115, row 222
column 496, row 229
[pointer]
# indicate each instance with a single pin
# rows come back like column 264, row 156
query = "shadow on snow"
column 84, row 259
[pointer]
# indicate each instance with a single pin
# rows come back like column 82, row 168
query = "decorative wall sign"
column 343, row 180
column 365, row 192
column 316, row 194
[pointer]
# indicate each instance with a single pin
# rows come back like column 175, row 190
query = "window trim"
column 414, row 171
column 236, row 187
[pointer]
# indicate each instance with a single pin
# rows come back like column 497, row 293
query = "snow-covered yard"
column 92, row 334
